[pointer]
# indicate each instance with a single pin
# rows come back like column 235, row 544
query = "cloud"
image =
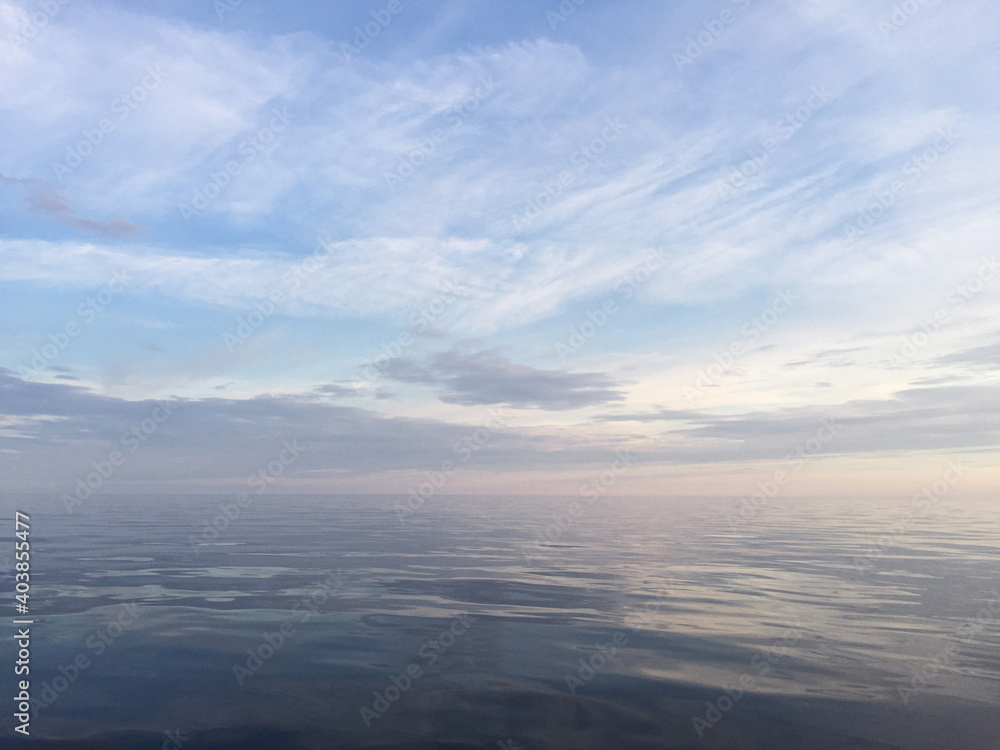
column 979, row 358
column 58, row 208
column 947, row 418
column 655, row 184
column 524, row 205
column 373, row 277
column 50, row 433
column 488, row 377
column 45, row 201
column 345, row 389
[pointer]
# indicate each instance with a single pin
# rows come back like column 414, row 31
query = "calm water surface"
column 316, row 622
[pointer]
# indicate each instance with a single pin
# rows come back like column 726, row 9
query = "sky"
column 499, row 247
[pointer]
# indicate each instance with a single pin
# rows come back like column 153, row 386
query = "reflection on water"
column 512, row 622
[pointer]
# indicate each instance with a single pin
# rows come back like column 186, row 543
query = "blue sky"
column 765, row 200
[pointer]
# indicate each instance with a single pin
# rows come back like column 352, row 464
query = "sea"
column 507, row 623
